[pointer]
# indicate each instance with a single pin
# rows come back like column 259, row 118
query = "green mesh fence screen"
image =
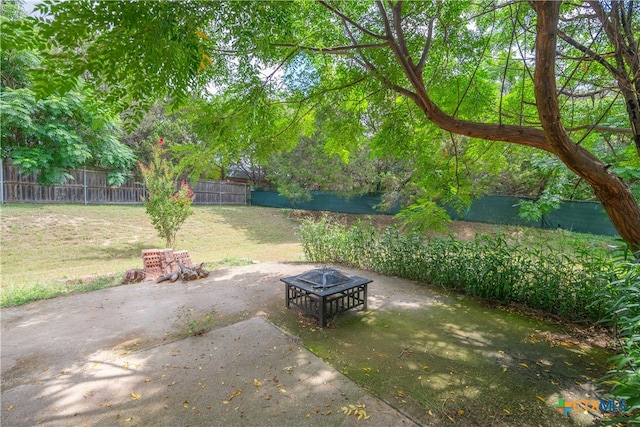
column 582, row 217
column 365, row 205
column 493, row 210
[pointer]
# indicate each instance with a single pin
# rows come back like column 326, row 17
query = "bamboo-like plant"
column 490, row 267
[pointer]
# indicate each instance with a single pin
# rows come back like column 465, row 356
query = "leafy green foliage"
column 168, row 208
column 312, row 166
column 159, row 122
column 488, row 267
column 53, row 134
column 622, row 302
column 424, row 215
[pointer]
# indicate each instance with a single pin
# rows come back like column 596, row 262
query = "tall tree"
column 511, row 72
column 52, row 134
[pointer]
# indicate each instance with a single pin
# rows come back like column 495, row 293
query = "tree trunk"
column 611, row 191
column 615, row 196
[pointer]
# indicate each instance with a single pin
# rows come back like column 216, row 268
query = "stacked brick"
column 158, row 262
column 165, row 264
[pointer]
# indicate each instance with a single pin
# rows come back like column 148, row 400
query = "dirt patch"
column 380, row 221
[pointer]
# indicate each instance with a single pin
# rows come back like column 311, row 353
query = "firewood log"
column 163, row 278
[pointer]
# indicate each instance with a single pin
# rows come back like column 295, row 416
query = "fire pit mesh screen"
column 324, row 278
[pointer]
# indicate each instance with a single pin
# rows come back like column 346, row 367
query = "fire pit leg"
column 287, row 293
column 322, row 312
column 364, row 305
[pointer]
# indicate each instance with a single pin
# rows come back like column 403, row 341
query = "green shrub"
column 168, row 208
column 490, row 267
column 622, row 301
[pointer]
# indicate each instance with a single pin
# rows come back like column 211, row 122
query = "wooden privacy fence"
column 89, row 186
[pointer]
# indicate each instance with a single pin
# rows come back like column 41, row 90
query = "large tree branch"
column 426, row 49
column 610, row 190
column 385, row 19
column 396, row 11
column 522, row 135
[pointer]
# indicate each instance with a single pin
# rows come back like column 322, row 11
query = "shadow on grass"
column 274, row 226
column 455, row 361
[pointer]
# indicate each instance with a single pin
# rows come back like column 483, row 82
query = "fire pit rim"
column 324, row 272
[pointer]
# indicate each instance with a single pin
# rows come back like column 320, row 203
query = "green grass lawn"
column 60, row 246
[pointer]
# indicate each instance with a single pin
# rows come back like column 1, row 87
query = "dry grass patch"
column 45, row 243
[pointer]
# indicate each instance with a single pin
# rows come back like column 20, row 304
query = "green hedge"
column 489, row 266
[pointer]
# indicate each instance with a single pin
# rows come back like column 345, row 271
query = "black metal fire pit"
column 325, row 292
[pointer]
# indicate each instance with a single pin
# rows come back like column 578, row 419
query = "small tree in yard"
column 168, row 208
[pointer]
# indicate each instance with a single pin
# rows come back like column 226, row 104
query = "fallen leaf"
column 135, row 396
column 256, row 383
column 541, row 399
column 524, row 365
column 357, row 410
column 460, row 411
column 506, row 411
column 238, row 392
column 9, row 408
